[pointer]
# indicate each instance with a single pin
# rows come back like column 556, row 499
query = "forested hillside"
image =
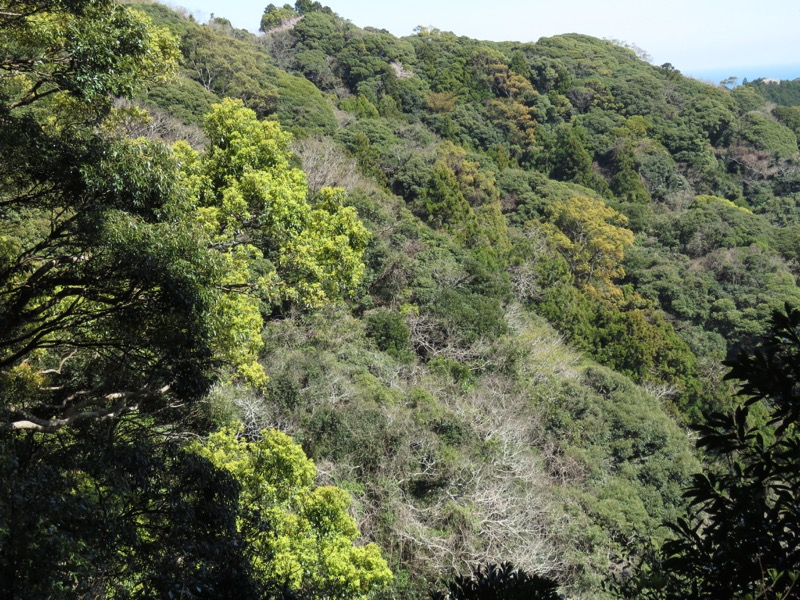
column 326, row 313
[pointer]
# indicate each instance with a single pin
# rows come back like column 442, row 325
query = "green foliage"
column 784, row 93
column 301, row 107
column 499, row 582
column 361, row 106
column 789, row 116
column 226, row 517
column 679, row 291
column 305, row 7
column 105, row 269
column 316, row 69
column 768, row 135
column 570, row 160
column 238, row 68
column 712, row 223
column 134, row 276
column 228, row 67
column 787, row 242
column 475, row 315
column 636, row 340
column 137, row 517
column 738, row 538
column 712, row 116
column 426, row 426
column 183, row 98
column 276, row 16
column 658, row 170
column 592, row 238
column 629, row 335
column 747, row 98
column 441, row 202
column 390, row 332
column 365, row 60
column 246, row 184
column 126, row 285
column 319, row 31
column 626, row 183
column 103, row 49
column 296, row 534
column 632, row 458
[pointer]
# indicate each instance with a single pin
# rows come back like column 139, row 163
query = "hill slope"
column 650, row 218
column 495, row 341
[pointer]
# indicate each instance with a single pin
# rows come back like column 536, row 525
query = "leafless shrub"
column 493, row 509
column 327, row 164
column 640, row 53
column 400, row 71
column 525, row 276
column 661, row 391
column 254, row 413
column 524, row 282
column 280, row 45
column 157, row 126
column 433, row 337
column 287, row 25
column 231, row 402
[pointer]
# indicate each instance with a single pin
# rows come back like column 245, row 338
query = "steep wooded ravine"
column 494, row 339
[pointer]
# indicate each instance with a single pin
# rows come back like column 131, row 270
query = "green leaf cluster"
column 296, row 534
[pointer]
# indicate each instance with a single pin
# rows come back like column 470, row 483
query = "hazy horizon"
column 715, row 75
column 710, row 40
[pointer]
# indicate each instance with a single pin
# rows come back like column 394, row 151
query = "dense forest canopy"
column 487, row 288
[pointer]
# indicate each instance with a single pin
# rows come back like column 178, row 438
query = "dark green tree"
column 627, row 184
column 308, row 6
column 499, row 582
column 569, row 158
column 102, row 282
column 389, row 332
column 442, row 203
column 93, row 520
column 741, row 535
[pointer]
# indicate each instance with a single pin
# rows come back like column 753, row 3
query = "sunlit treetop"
column 91, row 49
column 301, row 535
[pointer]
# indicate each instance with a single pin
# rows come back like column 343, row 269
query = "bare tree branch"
column 125, row 402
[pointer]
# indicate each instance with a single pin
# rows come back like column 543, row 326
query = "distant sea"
column 749, row 73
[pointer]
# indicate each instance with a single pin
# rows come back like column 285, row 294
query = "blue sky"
column 700, row 37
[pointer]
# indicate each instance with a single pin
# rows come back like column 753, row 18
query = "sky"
column 710, row 39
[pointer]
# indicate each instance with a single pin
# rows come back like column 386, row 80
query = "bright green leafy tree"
column 297, row 534
column 591, row 236
column 90, row 49
column 247, row 186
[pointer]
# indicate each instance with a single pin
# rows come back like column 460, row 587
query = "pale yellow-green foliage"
column 591, row 236
column 298, row 533
column 326, row 255
column 123, row 39
column 277, row 247
column 704, row 200
column 315, row 248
